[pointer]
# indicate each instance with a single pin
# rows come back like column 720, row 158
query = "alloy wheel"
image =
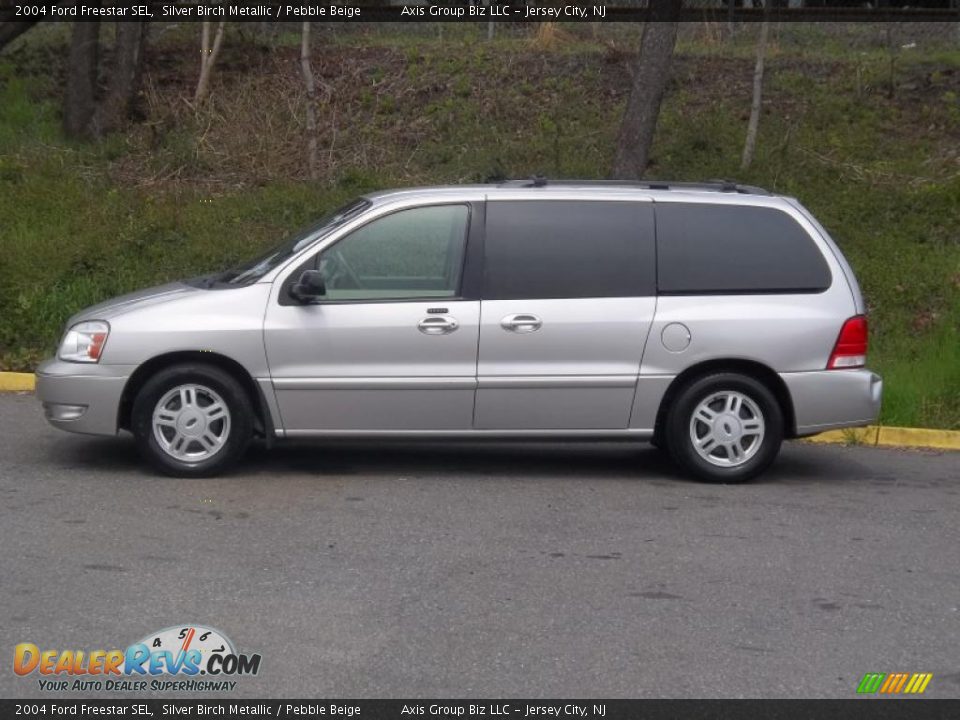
column 191, row 423
column 727, row 428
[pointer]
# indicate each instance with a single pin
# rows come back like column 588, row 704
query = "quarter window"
column 730, row 249
column 568, row 249
column 414, row 253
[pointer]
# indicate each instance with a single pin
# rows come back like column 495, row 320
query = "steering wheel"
column 345, row 266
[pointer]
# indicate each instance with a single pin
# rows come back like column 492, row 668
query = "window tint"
column 407, row 254
column 568, row 249
column 731, row 249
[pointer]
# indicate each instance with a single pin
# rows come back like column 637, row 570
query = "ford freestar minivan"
column 714, row 320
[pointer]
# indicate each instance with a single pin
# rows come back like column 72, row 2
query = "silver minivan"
column 713, row 320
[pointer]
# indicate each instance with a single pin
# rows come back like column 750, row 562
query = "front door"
column 567, row 303
column 392, row 345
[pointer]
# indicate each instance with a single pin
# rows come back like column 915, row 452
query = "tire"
column 750, row 425
column 192, row 420
column 659, row 439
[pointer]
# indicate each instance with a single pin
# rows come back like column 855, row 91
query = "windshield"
column 252, row 270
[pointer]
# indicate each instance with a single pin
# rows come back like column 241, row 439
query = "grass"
column 186, row 191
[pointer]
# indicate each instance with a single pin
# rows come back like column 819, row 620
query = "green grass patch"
column 186, row 193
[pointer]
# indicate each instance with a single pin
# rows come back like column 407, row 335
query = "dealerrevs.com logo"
column 180, row 658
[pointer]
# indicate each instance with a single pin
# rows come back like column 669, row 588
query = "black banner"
column 466, row 11
column 862, row 709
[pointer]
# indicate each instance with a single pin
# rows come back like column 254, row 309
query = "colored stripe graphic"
column 895, row 683
column 871, row 682
column 891, row 680
column 918, row 683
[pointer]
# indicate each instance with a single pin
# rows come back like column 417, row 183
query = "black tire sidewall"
column 233, row 394
column 678, row 424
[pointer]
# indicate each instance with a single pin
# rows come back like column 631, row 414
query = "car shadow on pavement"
column 101, row 454
column 423, row 459
column 797, row 464
column 328, row 458
column 479, row 459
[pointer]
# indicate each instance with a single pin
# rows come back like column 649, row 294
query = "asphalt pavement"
column 489, row 570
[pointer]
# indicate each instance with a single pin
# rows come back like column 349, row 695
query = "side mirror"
column 309, row 287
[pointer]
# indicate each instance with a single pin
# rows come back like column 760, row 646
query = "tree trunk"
column 208, row 56
column 124, row 85
column 311, row 86
column 546, row 35
column 650, row 77
column 892, row 58
column 80, row 101
column 757, row 105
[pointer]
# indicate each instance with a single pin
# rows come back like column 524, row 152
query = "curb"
column 16, row 382
column 872, row 435
column 879, row 436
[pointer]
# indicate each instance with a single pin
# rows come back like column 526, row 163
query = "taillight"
column 850, row 350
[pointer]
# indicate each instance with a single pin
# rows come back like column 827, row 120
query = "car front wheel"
column 192, row 420
column 724, row 428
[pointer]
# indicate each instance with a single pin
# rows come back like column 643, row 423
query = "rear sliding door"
column 567, row 303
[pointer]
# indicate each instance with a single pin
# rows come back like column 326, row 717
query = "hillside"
column 188, row 190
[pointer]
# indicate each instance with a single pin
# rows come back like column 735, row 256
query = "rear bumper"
column 82, row 398
column 829, row 399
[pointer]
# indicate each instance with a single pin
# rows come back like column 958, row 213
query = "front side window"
column 414, row 253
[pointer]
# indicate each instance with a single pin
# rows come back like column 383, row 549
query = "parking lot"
column 370, row 570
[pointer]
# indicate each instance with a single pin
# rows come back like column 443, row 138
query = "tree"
column 85, row 117
column 81, row 96
column 124, row 84
column 650, row 77
column 208, row 57
column 311, row 86
column 756, row 106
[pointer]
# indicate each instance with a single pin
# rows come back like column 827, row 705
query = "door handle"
column 521, row 323
column 438, row 325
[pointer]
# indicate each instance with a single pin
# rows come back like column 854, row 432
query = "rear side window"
column 735, row 249
column 568, row 249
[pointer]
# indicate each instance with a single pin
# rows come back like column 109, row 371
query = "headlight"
column 84, row 342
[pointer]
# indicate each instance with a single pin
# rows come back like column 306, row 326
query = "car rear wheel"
column 724, row 428
column 192, row 420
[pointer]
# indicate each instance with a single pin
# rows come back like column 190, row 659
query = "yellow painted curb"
column 849, row 436
column 877, row 435
column 919, row 437
column 16, row 382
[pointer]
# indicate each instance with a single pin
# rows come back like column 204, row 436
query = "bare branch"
column 756, row 106
column 208, row 57
column 310, row 84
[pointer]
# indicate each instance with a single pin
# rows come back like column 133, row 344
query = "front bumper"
column 830, row 399
column 83, row 398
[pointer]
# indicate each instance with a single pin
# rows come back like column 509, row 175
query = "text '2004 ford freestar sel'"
column 714, row 320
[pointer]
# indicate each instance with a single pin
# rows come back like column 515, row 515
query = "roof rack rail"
column 532, row 181
column 726, row 186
